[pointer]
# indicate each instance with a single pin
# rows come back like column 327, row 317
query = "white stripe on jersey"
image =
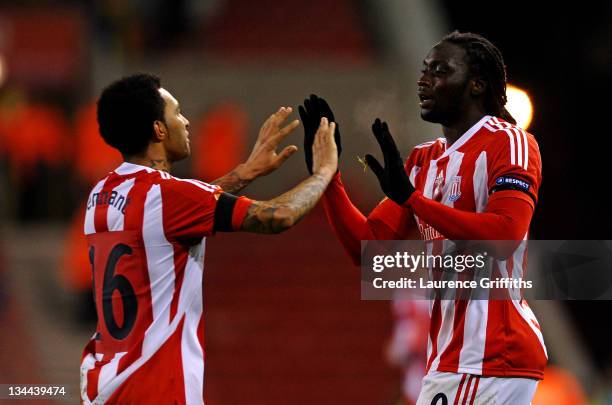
column 87, row 364
column 191, row 351
column 413, row 173
column 129, row 168
column 445, row 335
column 490, row 128
column 109, row 371
column 475, row 326
column 526, row 162
column 452, row 169
column 200, row 184
column 529, row 317
column 431, row 179
column 114, row 217
column 519, row 147
column 425, row 144
column 161, row 337
column 89, row 225
column 160, row 259
column 512, row 147
column 480, row 182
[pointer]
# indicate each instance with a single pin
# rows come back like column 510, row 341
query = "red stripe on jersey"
column 434, row 330
column 134, row 217
column 180, row 261
column 458, row 394
column 93, row 376
column 201, row 332
column 450, row 357
column 101, row 204
column 466, row 393
column 494, row 358
column 510, row 265
column 474, row 391
column 145, row 385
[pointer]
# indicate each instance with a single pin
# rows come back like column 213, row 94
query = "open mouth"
column 425, row 101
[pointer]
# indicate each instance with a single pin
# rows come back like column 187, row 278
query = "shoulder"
column 502, row 133
column 511, row 149
column 426, row 151
column 186, row 187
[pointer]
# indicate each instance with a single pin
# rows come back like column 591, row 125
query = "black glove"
column 393, row 178
column 311, row 113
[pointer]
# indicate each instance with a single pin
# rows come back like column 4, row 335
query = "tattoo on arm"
column 231, row 182
column 286, row 210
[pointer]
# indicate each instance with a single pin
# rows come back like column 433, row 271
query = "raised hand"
column 324, row 149
column 263, row 158
column 311, row 112
column 392, row 178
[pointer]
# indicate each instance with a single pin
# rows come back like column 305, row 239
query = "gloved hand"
column 392, row 178
column 311, row 113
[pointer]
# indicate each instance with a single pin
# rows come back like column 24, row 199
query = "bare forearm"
column 284, row 211
column 234, row 181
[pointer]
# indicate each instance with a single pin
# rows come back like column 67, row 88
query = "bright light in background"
column 519, row 105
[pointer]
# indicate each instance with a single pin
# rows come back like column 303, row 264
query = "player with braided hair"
column 479, row 182
column 485, row 59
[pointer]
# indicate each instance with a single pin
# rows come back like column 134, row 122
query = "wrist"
column 244, row 172
column 410, row 200
column 325, row 172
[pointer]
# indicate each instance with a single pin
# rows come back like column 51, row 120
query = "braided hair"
column 486, row 60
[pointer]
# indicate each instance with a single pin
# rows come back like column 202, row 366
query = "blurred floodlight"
column 2, row 70
column 519, row 105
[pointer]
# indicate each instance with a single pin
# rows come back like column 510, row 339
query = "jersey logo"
column 455, row 189
column 512, row 183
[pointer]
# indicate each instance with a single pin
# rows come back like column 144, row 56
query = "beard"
column 448, row 111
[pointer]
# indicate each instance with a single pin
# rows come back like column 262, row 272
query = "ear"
column 160, row 131
column 479, row 86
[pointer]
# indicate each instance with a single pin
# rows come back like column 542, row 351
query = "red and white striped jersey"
column 146, row 235
column 499, row 338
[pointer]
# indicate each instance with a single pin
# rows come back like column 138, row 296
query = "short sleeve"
column 188, row 208
column 515, row 164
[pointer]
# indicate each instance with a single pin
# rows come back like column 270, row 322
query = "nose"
column 424, row 81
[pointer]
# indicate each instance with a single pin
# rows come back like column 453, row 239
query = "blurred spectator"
column 407, row 348
column 75, row 269
column 220, row 137
column 93, row 158
column 37, row 144
column 559, row 387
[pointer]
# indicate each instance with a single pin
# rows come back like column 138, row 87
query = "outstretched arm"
column 263, row 159
column 386, row 222
column 284, row 211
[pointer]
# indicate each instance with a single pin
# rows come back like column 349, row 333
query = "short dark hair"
column 485, row 60
column 127, row 109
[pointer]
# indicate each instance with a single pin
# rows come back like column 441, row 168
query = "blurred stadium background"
column 284, row 320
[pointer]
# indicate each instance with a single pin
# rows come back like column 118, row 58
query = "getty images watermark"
column 487, row 270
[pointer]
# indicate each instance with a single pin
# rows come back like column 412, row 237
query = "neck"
column 454, row 131
column 154, row 158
